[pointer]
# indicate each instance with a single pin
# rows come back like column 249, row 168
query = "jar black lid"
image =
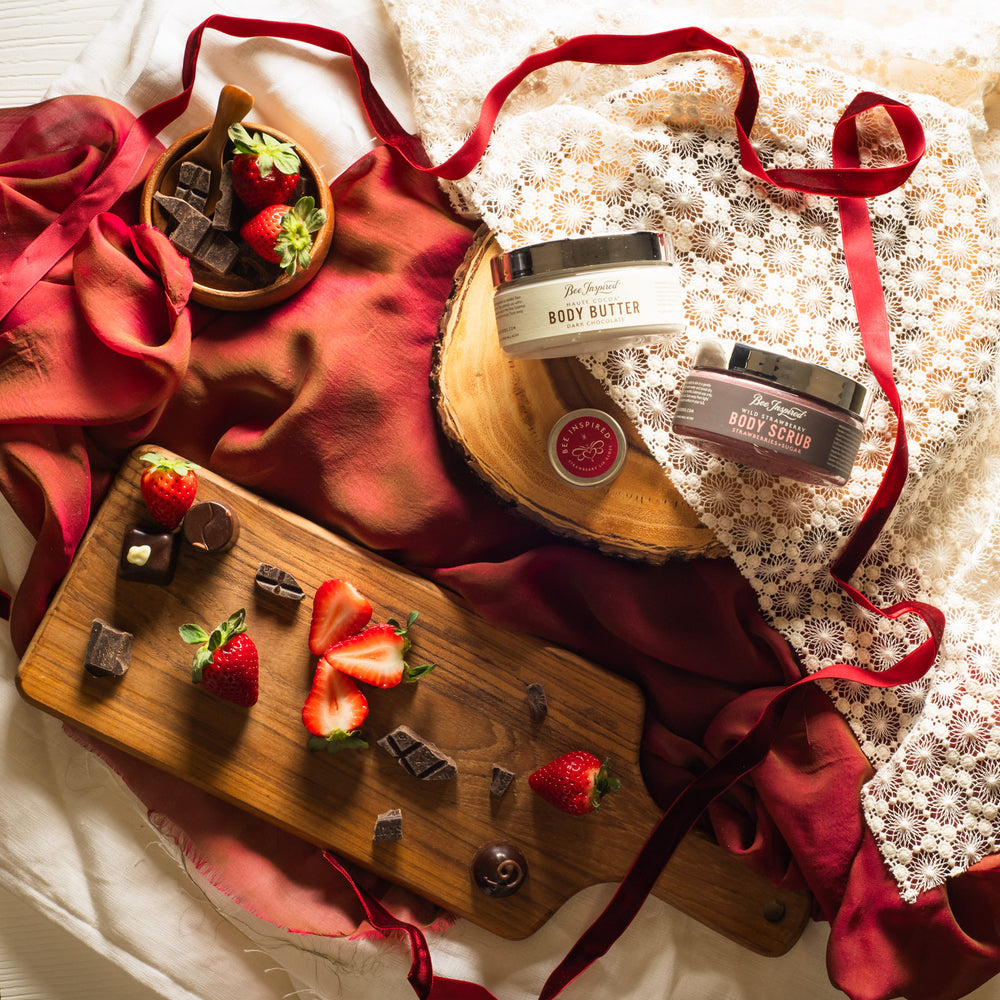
column 581, row 251
column 812, row 380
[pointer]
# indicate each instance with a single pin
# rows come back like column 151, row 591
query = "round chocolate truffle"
column 499, row 869
column 211, row 526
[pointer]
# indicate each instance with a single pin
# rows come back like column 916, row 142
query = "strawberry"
column 225, row 663
column 168, row 488
column 334, row 709
column 265, row 169
column 377, row 656
column 338, row 611
column 283, row 235
column 573, row 782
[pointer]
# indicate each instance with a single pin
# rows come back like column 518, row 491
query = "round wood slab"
column 498, row 411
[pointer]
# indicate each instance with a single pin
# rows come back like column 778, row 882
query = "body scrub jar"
column 586, row 294
column 787, row 417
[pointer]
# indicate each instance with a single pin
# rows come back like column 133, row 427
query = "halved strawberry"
column 333, row 711
column 339, row 610
column 377, row 656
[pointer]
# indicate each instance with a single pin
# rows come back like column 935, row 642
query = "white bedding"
column 83, row 877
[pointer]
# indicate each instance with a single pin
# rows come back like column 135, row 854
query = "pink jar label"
column 768, row 428
column 587, row 447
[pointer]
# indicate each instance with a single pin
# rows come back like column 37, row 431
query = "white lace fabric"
column 596, row 149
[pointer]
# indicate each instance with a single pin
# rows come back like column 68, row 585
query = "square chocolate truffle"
column 149, row 556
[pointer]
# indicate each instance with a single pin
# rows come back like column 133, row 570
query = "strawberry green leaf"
column 336, row 742
column 415, row 673
column 158, row 461
column 193, row 634
column 271, row 153
column 202, row 658
column 295, row 240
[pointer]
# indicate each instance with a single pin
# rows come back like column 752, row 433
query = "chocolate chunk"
column 500, row 780
column 256, row 270
column 194, row 182
column 109, row 650
column 190, row 226
column 216, row 251
column 211, row 526
column 389, row 826
column 149, row 557
column 499, row 869
column 193, row 235
column 421, row 758
column 538, row 705
column 177, row 210
column 401, row 741
column 224, row 215
column 278, row 583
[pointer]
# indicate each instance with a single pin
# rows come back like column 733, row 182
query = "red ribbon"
column 846, row 180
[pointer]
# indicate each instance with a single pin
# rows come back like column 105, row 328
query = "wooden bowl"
column 233, row 292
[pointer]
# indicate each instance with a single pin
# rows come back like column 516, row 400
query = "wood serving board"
column 473, row 707
column 498, row 411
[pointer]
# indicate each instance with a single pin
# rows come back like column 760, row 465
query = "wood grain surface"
column 498, row 411
column 473, row 706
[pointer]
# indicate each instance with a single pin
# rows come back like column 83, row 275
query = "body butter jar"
column 586, row 294
column 785, row 416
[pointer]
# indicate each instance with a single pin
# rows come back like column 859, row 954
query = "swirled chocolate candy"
column 211, row 526
column 499, row 869
column 149, row 556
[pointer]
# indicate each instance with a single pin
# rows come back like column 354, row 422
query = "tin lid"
column 587, row 447
column 812, row 380
column 581, row 251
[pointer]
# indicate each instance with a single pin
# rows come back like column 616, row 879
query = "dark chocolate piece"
column 538, row 705
column 401, row 741
column 421, row 758
column 389, row 826
column 109, row 650
column 278, row 583
column 255, row 269
column 499, row 869
column 190, row 226
column 224, row 215
column 177, row 210
column 211, row 526
column 194, row 182
column 500, row 780
column 193, row 235
column 216, row 251
column 149, row 556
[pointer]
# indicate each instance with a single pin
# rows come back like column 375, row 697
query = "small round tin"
column 587, row 448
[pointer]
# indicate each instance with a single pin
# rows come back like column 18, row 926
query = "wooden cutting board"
column 473, row 707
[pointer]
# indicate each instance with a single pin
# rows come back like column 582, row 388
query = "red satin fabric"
column 322, row 404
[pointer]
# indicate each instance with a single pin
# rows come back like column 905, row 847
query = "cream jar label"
column 791, row 435
column 590, row 312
